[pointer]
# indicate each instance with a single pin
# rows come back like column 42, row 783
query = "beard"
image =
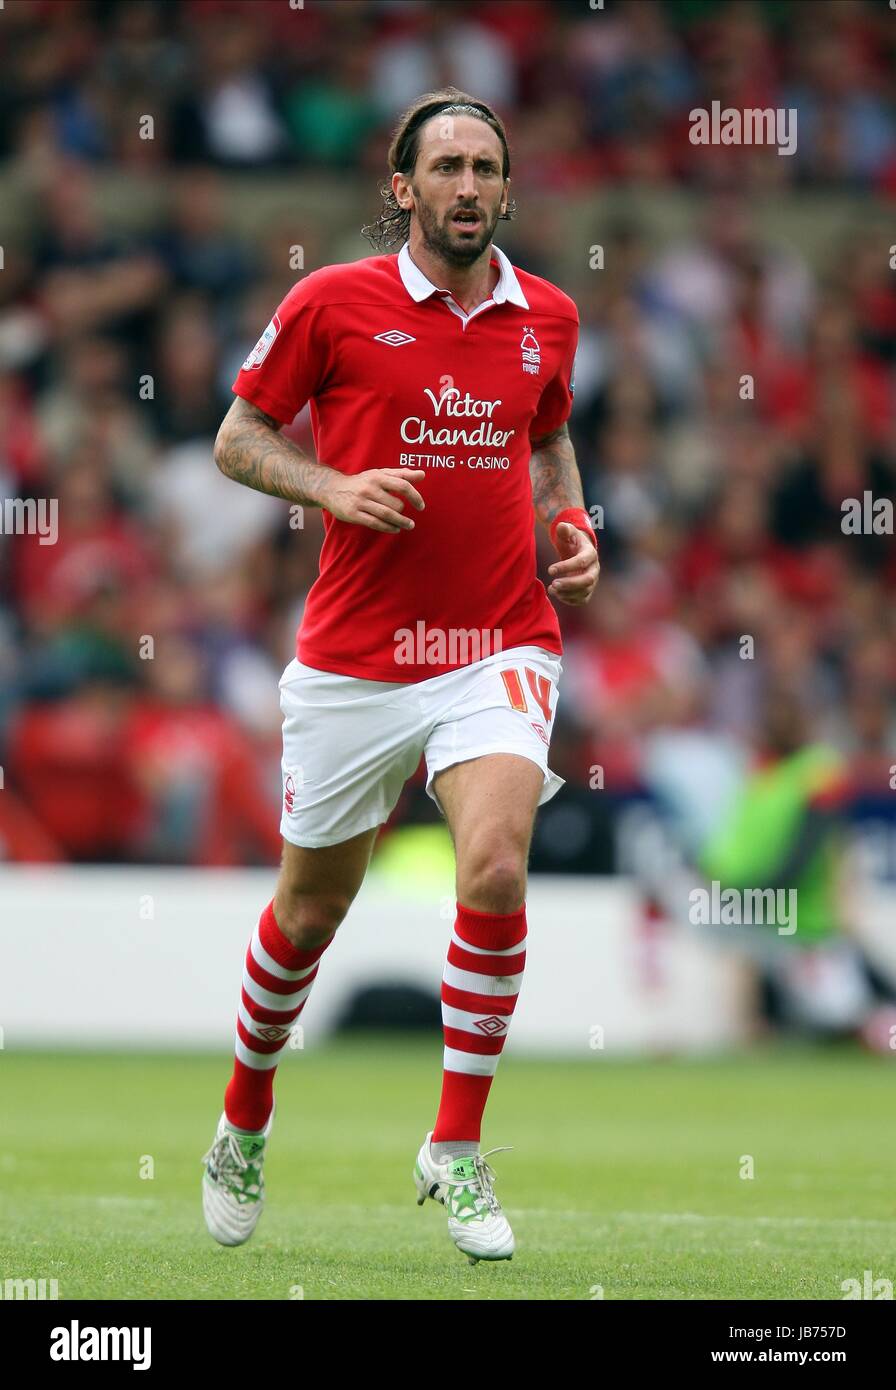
column 440, row 239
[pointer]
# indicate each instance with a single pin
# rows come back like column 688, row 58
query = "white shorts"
column 349, row 745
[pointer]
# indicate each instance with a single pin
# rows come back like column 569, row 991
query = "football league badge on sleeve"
column 263, row 346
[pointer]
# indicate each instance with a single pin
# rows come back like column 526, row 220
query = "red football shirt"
column 398, row 376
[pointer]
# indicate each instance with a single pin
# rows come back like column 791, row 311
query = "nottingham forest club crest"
column 531, row 352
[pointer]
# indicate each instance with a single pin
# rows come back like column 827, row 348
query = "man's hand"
column 557, row 492
column 575, row 573
column 250, row 450
column 375, row 498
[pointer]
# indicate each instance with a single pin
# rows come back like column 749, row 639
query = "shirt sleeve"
column 290, row 361
column 555, row 404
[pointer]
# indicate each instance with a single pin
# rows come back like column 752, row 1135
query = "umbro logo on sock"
column 272, row 1033
column 491, row 1026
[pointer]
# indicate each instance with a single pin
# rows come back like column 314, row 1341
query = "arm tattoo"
column 555, row 475
column 249, row 450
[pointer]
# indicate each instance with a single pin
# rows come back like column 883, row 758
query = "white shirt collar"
column 419, row 287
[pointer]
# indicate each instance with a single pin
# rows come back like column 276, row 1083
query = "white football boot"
column 476, row 1223
column 233, row 1183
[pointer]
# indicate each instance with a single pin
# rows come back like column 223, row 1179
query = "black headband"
column 456, row 108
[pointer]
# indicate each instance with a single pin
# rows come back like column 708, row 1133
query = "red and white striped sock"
column 277, row 980
column 480, row 986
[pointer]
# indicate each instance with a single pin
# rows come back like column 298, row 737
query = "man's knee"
column 493, row 880
column 307, row 919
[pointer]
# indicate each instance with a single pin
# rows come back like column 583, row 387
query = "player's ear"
column 401, row 189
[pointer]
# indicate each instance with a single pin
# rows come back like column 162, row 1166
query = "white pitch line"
column 112, row 1201
column 683, row 1216
column 605, row 1221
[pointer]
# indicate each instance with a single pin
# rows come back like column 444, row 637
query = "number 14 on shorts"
column 539, row 686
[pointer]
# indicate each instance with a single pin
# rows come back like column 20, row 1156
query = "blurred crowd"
column 595, row 93
column 729, row 396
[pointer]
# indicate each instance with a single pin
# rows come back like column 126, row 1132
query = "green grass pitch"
column 625, row 1176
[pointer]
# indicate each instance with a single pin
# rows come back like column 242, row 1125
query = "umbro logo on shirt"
column 394, row 338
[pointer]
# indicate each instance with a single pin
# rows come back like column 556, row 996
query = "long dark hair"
column 392, row 227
